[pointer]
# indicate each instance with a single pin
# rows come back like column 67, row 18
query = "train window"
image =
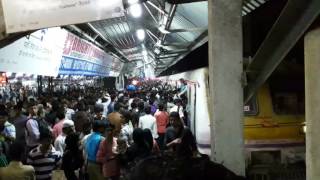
column 251, row 108
column 288, row 97
column 288, row 103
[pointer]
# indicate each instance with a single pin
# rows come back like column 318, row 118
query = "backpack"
column 43, row 127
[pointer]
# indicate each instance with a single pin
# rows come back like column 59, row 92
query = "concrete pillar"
column 312, row 102
column 226, row 91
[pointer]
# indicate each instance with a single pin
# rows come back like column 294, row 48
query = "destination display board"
column 81, row 57
column 39, row 53
column 24, row 15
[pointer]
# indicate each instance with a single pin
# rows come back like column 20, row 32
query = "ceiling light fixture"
column 133, row 1
column 141, row 34
column 135, row 10
column 145, row 53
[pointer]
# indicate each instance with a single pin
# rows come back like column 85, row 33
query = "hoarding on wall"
column 39, row 53
column 83, row 58
column 23, row 15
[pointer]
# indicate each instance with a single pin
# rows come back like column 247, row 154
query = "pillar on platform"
column 226, row 91
column 312, row 103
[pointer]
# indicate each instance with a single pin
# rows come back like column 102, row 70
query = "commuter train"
column 271, row 133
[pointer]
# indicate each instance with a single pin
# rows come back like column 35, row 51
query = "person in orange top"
column 162, row 120
column 107, row 155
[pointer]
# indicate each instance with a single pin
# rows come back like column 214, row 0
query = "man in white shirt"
column 67, row 128
column 147, row 121
column 105, row 101
column 178, row 108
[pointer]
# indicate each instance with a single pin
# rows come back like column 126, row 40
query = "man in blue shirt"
column 91, row 147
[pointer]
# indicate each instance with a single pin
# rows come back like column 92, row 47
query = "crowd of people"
column 94, row 134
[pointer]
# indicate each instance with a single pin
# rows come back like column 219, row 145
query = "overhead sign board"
column 81, row 57
column 24, row 15
column 39, row 53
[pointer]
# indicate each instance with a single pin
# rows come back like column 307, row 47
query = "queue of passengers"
column 95, row 135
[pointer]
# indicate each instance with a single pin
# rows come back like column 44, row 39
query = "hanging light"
column 141, row 34
column 135, row 10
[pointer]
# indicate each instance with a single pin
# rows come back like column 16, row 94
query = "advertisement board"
column 39, row 53
column 80, row 57
column 23, row 15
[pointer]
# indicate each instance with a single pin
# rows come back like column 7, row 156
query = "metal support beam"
column 292, row 23
column 203, row 38
column 169, row 21
column 157, row 8
column 154, row 19
column 183, row 1
column 201, row 29
column 97, row 32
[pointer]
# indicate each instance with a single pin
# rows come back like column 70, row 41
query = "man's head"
column 126, row 116
column 33, row 109
column 182, row 81
column 99, row 126
column 98, row 110
column 161, row 106
column 175, row 121
column 68, row 127
column 134, row 105
column 113, row 97
column 141, row 106
column 147, row 109
column 61, row 114
column 178, row 102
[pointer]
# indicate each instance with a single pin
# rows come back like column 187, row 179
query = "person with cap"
column 67, row 128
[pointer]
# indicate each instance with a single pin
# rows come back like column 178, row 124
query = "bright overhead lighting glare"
column 157, row 50
column 141, row 34
column 163, row 30
column 133, row 1
column 135, row 10
column 144, row 52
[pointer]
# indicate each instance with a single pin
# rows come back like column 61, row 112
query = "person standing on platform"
column 44, row 158
column 57, row 128
column 67, row 128
column 91, row 148
column 149, row 122
column 162, row 119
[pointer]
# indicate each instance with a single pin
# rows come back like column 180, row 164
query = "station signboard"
column 81, row 57
column 39, row 53
column 24, row 15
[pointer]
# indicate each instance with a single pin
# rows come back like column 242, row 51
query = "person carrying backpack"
column 34, row 127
